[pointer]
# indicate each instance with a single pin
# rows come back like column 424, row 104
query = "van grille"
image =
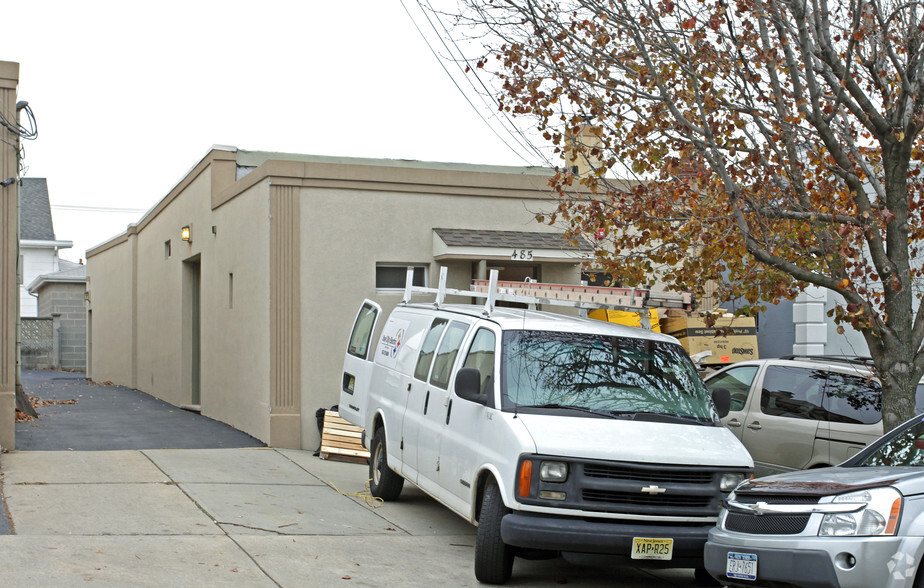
column 665, row 476
column 632, row 488
column 663, row 500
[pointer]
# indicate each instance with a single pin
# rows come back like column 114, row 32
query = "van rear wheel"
column 493, row 559
column 384, row 483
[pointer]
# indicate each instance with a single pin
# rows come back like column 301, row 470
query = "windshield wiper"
column 666, row 415
column 604, row 413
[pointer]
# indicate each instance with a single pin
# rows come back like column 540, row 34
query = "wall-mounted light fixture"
column 186, row 233
column 7, row 182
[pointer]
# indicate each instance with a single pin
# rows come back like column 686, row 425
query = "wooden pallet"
column 341, row 441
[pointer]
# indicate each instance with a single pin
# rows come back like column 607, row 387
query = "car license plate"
column 741, row 566
column 652, row 548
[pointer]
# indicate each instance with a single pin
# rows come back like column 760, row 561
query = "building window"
column 391, row 277
column 231, row 291
column 167, row 249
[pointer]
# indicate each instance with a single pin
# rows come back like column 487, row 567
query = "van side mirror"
column 468, row 385
column 722, row 399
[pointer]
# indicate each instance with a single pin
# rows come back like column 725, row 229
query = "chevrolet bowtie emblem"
column 654, row 490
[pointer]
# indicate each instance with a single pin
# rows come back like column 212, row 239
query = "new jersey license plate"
column 652, row 548
column 741, row 566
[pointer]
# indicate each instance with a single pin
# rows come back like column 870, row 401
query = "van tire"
column 493, row 559
column 383, row 482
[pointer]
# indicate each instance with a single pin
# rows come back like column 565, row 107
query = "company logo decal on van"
column 391, row 341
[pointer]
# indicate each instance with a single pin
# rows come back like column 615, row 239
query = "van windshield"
column 611, row 376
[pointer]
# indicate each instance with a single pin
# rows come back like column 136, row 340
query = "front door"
column 462, row 440
column 737, row 381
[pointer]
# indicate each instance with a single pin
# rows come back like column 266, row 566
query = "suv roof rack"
column 533, row 293
column 851, row 359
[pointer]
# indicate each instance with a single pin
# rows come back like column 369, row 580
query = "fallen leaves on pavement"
column 36, row 402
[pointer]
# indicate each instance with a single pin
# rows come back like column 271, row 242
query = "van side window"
column 737, row 381
column 362, row 331
column 793, row 392
column 853, row 399
column 481, row 357
column 429, row 346
column 446, row 356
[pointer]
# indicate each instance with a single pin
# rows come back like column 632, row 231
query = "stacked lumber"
column 342, row 441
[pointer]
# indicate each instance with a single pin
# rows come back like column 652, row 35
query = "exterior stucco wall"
column 284, row 255
column 233, row 326
column 160, row 291
column 346, row 232
column 235, row 314
column 111, row 335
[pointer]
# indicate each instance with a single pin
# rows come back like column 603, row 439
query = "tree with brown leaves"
column 771, row 145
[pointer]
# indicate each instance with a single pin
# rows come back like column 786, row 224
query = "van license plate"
column 741, row 566
column 651, row 548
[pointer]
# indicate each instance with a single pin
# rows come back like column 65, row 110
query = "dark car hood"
column 837, row 480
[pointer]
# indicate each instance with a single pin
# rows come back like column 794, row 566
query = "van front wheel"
column 493, row 559
column 383, row 483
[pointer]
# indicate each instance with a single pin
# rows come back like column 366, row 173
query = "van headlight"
column 553, row 471
column 878, row 513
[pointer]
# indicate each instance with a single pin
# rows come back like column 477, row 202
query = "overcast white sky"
column 129, row 96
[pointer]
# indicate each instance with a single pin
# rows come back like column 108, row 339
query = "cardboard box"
column 696, row 337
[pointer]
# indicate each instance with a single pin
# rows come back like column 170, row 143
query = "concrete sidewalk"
column 243, row 517
column 122, row 489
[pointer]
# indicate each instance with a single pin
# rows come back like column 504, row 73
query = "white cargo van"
column 554, row 434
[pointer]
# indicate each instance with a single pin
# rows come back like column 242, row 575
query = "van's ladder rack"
column 533, row 293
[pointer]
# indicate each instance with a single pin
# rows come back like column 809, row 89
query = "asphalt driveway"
column 107, row 417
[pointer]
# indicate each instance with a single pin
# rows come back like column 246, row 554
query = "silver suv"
column 855, row 525
column 796, row 413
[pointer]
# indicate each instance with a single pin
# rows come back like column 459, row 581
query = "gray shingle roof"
column 504, row 239
column 35, row 214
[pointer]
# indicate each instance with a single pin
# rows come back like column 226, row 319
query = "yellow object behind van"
column 625, row 317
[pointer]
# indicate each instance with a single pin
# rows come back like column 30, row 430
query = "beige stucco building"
column 247, row 316
column 9, row 253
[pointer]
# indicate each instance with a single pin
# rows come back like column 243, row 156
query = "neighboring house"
column 62, row 300
column 38, row 248
column 237, row 291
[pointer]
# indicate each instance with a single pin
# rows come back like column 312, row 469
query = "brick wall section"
column 65, row 302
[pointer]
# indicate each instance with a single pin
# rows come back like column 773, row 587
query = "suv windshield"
column 901, row 447
column 601, row 373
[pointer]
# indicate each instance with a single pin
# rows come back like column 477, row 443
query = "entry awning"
column 507, row 245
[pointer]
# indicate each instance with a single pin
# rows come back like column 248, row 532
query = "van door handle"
column 449, row 411
column 733, row 423
column 426, row 402
column 755, row 426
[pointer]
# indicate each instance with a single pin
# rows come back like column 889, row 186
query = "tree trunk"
column 899, row 380
column 23, row 403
